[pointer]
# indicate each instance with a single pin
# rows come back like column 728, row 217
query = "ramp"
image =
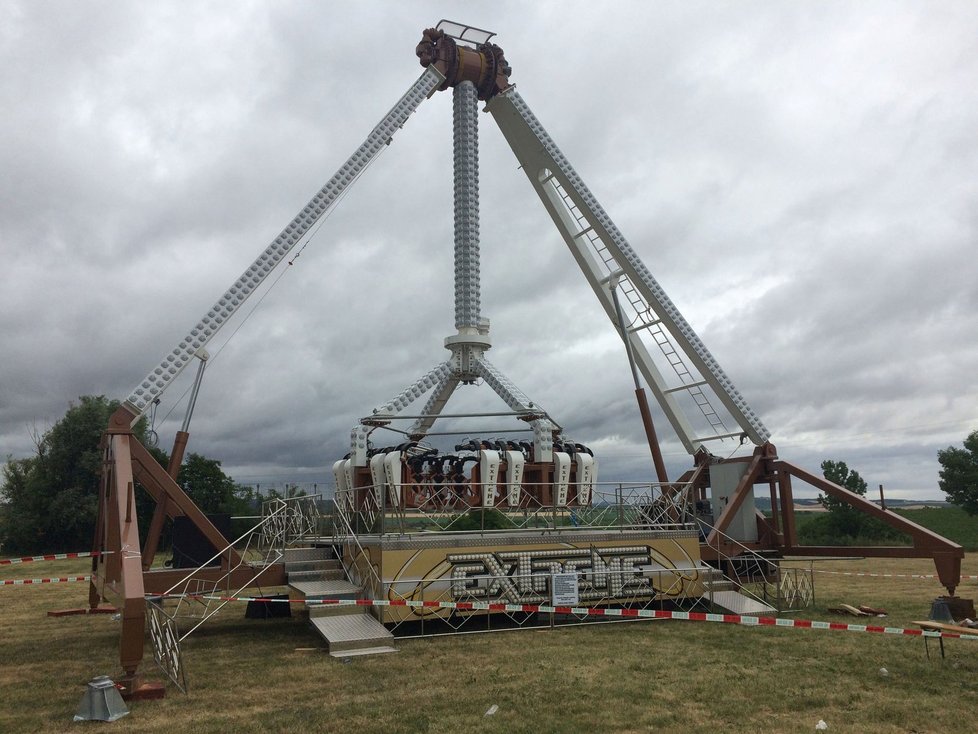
column 737, row 603
column 354, row 634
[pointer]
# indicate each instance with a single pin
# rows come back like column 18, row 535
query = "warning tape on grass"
column 888, row 575
column 32, row 582
column 472, row 606
column 52, row 557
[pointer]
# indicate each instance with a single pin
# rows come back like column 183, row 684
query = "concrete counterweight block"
column 101, row 702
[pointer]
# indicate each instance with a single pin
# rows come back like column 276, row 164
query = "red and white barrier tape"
column 52, row 557
column 888, row 575
column 32, row 582
column 469, row 606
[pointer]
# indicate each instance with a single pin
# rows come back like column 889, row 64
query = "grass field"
column 664, row 676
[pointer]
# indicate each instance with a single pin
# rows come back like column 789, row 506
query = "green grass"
column 951, row 522
column 247, row 675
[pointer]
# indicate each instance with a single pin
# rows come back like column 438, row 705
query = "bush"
column 479, row 519
column 828, row 528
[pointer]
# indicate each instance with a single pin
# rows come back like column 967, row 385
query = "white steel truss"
column 698, row 398
column 608, row 261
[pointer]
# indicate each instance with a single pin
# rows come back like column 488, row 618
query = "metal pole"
column 203, row 357
column 383, row 509
column 618, row 496
column 643, row 401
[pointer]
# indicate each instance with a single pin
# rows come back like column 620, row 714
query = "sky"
column 799, row 177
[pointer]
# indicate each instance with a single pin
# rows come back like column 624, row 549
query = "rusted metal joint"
column 121, row 420
column 485, row 65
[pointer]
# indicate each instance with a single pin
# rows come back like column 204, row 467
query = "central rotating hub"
column 473, row 72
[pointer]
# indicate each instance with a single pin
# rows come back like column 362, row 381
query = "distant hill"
column 764, row 503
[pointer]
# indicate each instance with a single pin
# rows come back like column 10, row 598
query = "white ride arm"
column 174, row 363
column 543, row 428
column 436, row 403
column 361, row 432
column 608, row 261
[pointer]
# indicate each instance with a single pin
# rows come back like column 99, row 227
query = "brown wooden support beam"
column 787, row 511
column 176, row 456
column 155, row 531
column 922, row 537
column 123, row 537
column 946, row 554
column 646, row 413
column 161, row 485
column 161, row 580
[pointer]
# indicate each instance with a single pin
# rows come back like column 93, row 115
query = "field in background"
column 951, row 522
column 246, row 675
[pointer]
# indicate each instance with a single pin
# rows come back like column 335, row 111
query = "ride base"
column 518, row 567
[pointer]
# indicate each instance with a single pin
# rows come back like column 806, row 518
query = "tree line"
column 49, row 501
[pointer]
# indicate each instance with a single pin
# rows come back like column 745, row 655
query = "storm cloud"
column 799, row 177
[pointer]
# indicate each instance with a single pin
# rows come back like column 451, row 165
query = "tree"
column 844, row 524
column 49, row 501
column 959, row 474
column 52, row 497
column 838, row 473
column 211, row 489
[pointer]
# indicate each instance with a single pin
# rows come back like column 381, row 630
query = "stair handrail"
column 247, row 536
column 348, row 569
column 744, row 550
column 299, row 519
column 224, row 550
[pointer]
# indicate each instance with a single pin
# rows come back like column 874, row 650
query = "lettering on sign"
column 525, row 577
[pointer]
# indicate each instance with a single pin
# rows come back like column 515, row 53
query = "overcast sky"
column 800, row 178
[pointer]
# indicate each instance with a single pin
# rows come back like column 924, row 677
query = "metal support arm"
column 360, row 433
column 153, row 385
column 435, row 405
column 543, row 428
column 605, row 256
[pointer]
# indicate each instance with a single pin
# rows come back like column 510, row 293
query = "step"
column 319, row 574
column 308, row 554
column 380, row 650
column 332, row 610
column 354, row 634
column 329, row 589
column 734, row 601
column 327, row 563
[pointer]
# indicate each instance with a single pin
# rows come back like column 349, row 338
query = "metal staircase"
column 315, row 574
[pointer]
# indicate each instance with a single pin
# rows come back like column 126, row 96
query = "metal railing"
column 285, row 521
column 457, row 508
column 759, row 577
column 353, row 551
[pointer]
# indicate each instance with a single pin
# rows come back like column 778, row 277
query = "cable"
column 308, row 239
